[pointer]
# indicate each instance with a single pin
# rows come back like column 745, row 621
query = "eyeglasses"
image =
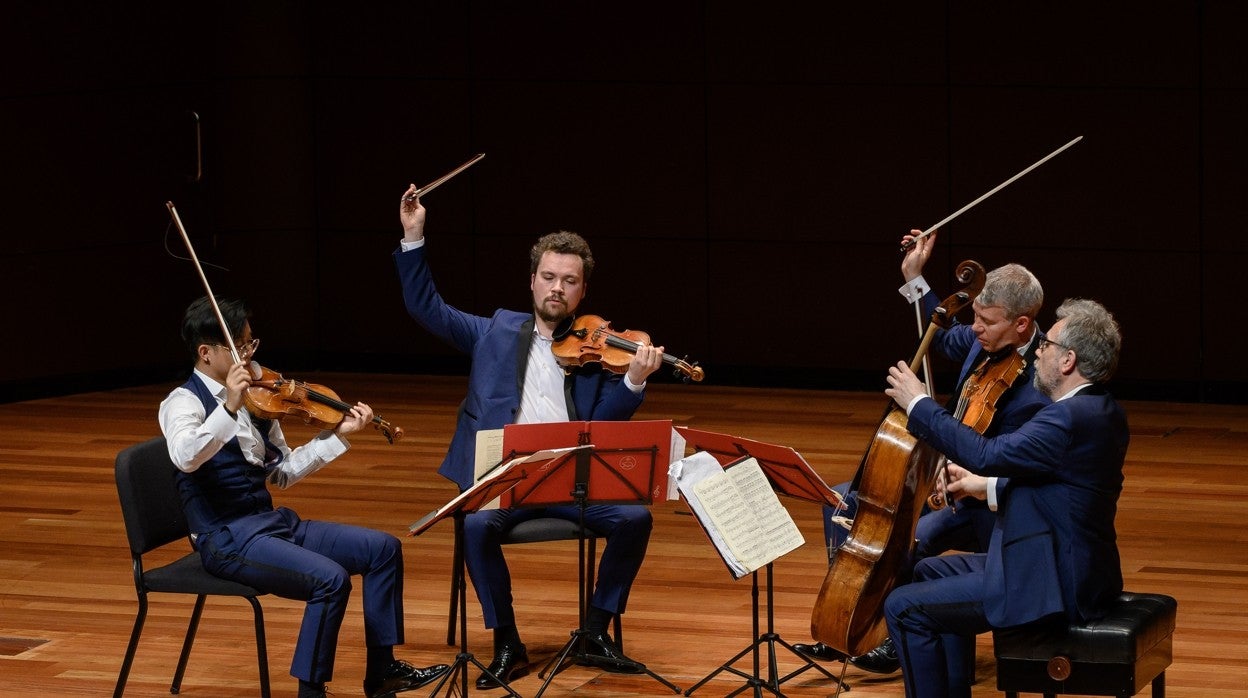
column 1045, row 342
column 244, row 350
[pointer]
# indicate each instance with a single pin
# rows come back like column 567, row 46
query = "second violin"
column 589, row 339
column 273, row 397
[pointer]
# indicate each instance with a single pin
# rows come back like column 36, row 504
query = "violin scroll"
column 388, row 430
column 688, row 371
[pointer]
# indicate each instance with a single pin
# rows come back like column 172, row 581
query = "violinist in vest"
column 1053, row 557
column 1003, row 325
column 226, row 460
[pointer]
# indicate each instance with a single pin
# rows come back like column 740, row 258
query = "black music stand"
column 620, row 463
column 501, row 479
column 789, row 474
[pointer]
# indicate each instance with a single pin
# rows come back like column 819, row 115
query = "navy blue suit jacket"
column 499, row 347
column 1054, row 549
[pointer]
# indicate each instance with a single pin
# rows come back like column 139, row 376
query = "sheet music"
column 489, row 453
column 486, row 481
column 678, row 452
column 741, row 514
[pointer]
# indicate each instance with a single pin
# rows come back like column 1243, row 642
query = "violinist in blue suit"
column 515, row 379
column 1053, row 556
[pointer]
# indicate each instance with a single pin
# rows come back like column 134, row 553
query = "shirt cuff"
column 915, row 401
column 635, row 388
column 992, row 493
column 914, row 289
column 407, row 246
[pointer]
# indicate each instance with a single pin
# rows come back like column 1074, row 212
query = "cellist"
column 1053, row 558
column 1004, row 323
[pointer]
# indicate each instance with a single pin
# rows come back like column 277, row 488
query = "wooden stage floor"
column 67, row 599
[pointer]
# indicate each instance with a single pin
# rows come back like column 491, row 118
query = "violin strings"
column 336, row 404
column 631, row 346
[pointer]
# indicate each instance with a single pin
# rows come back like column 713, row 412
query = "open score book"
column 738, row 509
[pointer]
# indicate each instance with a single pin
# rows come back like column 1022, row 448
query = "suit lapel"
column 523, row 343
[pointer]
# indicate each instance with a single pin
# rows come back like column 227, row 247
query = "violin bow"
column 225, row 330
column 906, row 247
column 440, row 180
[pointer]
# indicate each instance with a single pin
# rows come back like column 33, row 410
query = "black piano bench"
column 1113, row 656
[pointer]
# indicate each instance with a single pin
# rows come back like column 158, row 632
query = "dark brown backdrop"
column 742, row 170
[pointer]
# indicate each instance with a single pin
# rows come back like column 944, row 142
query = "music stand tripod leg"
column 456, row 679
column 753, row 681
column 582, row 635
column 769, row 639
column 772, row 638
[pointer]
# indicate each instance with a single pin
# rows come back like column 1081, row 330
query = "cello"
column 894, row 479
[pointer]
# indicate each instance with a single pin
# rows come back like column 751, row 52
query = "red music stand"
column 499, row 481
column 789, row 474
column 621, row 463
column 786, row 470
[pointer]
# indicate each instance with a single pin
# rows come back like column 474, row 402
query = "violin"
column 589, row 339
column 977, row 405
column 270, row 396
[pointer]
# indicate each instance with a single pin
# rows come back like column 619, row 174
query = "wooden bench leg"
column 1159, row 686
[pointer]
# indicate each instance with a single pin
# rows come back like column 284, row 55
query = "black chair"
column 1114, row 656
column 540, row 530
column 153, row 515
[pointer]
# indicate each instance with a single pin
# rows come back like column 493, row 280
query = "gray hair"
column 1014, row 289
column 1092, row 333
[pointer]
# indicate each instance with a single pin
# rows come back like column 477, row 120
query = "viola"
column 896, row 475
column 985, row 386
column 977, row 405
column 273, row 397
column 588, row 339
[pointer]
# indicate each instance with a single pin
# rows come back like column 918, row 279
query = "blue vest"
column 226, row 487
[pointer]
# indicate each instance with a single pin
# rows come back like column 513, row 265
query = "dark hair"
column 1092, row 333
column 200, row 324
column 563, row 242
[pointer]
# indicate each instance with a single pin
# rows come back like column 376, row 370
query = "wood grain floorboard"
column 67, row 600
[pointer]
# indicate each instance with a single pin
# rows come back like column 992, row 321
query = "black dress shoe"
column 510, row 662
column 881, row 660
column 400, row 676
column 820, row 651
column 601, row 652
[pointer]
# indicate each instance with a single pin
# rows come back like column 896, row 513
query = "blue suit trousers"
column 313, row 561
column 626, row 528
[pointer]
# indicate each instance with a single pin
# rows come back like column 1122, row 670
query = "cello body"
column 895, row 478
column 899, row 472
